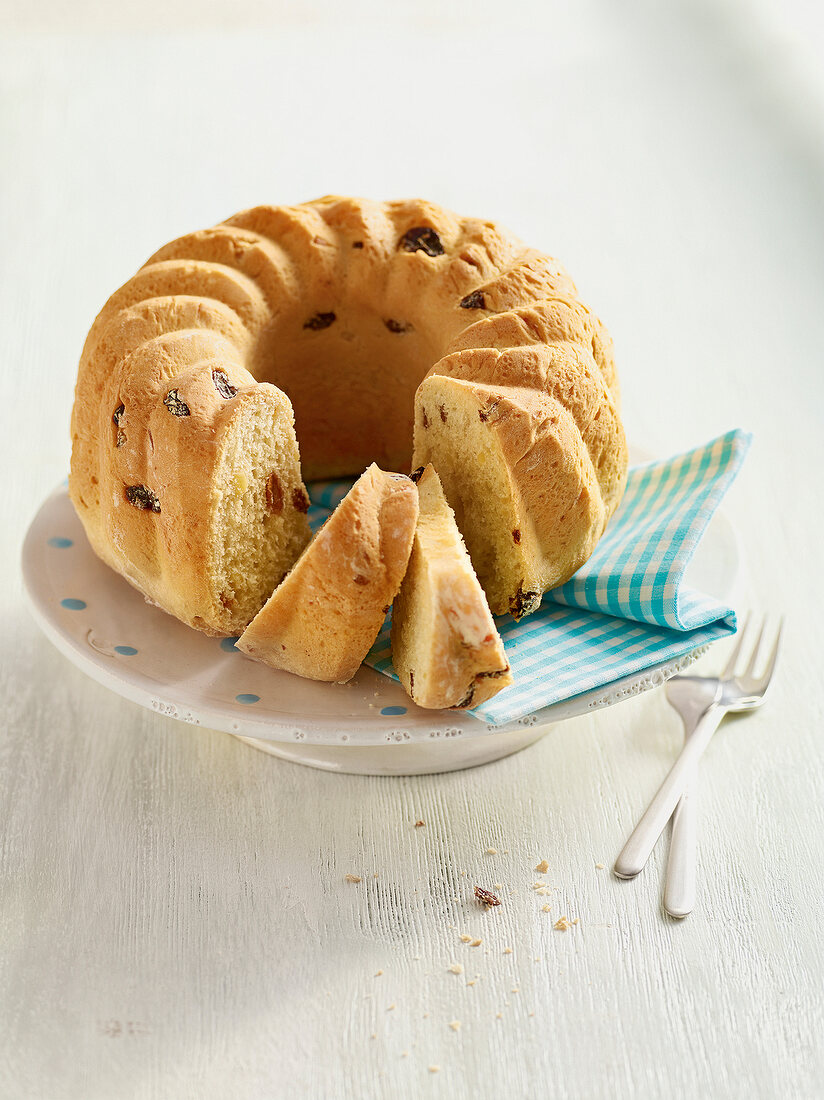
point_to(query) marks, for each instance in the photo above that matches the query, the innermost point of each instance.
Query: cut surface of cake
(517, 474)
(205, 508)
(446, 649)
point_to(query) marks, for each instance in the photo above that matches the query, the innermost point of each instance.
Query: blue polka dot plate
(368, 726)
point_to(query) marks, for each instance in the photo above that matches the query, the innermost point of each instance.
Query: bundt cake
(445, 648)
(184, 460)
(321, 621)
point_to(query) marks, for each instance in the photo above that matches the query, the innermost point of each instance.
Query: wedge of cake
(322, 620)
(445, 647)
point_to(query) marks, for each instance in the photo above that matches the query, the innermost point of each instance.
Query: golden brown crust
(345, 305)
(322, 620)
(568, 373)
(555, 318)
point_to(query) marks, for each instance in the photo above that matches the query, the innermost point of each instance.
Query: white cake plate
(368, 726)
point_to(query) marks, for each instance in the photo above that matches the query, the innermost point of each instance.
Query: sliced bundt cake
(345, 305)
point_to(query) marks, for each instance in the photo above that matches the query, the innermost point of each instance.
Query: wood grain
(175, 919)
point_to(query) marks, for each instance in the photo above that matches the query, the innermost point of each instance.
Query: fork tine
(729, 668)
(750, 669)
(773, 657)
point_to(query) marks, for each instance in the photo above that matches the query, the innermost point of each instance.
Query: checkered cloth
(624, 611)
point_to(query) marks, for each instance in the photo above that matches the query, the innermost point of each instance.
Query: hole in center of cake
(351, 374)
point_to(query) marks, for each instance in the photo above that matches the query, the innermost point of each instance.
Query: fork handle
(680, 878)
(679, 885)
(644, 836)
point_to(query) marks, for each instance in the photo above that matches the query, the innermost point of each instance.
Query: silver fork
(691, 696)
(714, 698)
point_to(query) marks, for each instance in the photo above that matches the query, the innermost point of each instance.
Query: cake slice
(322, 620)
(445, 647)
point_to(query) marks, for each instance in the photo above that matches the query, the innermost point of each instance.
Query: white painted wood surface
(174, 916)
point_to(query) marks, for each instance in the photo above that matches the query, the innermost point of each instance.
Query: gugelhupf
(380, 321)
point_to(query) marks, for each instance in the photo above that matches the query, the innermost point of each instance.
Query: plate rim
(368, 730)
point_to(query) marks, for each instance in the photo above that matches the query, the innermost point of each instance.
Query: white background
(174, 920)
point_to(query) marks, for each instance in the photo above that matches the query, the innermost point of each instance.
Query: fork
(691, 696)
(730, 692)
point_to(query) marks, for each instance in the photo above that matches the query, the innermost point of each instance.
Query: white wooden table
(174, 916)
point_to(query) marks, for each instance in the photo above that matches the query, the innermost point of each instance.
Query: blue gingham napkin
(627, 608)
